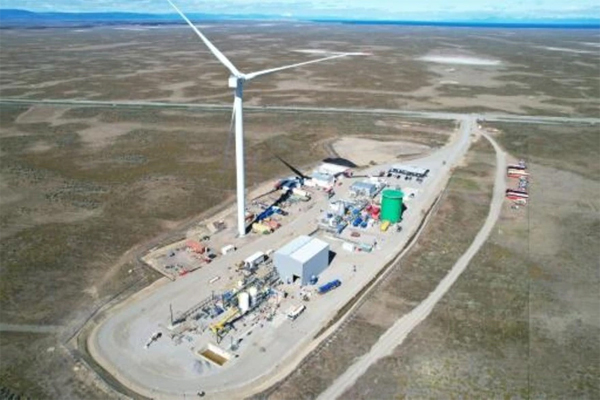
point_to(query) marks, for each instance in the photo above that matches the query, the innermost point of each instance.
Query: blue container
(329, 286)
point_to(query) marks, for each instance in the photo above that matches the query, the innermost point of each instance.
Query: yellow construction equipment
(257, 227)
(384, 226)
(229, 316)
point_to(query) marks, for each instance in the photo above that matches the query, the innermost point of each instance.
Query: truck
(228, 249)
(295, 311)
(329, 286)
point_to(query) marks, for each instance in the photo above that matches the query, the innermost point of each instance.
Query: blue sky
(364, 9)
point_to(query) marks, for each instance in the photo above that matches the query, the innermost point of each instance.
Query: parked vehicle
(329, 286)
(295, 311)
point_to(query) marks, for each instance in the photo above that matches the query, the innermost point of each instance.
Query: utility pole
(171, 308)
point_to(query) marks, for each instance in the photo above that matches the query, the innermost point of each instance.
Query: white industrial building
(301, 258)
(409, 170)
(363, 189)
(318, 179)
(333, 169)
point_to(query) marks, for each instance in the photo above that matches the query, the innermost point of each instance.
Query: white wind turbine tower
(236, 81)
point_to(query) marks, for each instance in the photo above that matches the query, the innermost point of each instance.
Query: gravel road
(394, 336)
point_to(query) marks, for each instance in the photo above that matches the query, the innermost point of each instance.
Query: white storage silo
(253, 292)
(244, 302)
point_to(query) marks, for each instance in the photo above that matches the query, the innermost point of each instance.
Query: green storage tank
(391, 205)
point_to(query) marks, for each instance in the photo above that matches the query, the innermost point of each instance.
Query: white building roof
(363, 186)
(303, 248)
(318, 176)
(294, 245)
(409, 168)
(308, 251)
(332, 169)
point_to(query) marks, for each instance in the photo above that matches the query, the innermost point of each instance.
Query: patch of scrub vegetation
(522, 320)
(8, 115)
(572, 148)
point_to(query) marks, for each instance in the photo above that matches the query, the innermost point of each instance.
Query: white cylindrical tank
(253, 291)
(244, 302)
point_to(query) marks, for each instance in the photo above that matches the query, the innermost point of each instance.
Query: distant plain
(84, 190)
(527, 71)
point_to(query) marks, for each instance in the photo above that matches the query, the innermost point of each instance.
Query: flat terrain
(84, 191)
(170, 370)
(522, 321)
(523, 71)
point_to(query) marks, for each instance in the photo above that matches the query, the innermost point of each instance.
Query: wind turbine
(236, 82)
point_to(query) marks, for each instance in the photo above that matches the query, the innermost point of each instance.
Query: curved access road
(394, 336)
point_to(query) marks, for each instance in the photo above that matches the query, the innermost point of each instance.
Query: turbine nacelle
(235, 81)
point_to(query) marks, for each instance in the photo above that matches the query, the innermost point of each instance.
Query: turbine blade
(220, 56)
(253, 75)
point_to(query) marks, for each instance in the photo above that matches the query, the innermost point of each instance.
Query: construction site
(240, 306)
(395, 211)
(253, 288)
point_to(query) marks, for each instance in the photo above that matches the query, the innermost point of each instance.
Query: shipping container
(329, 286)
(255, 260)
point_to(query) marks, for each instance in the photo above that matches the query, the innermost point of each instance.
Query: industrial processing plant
(274, 288)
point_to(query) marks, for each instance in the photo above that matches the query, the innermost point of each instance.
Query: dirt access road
(394, 336)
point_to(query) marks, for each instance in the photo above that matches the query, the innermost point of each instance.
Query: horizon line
(333, 19)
